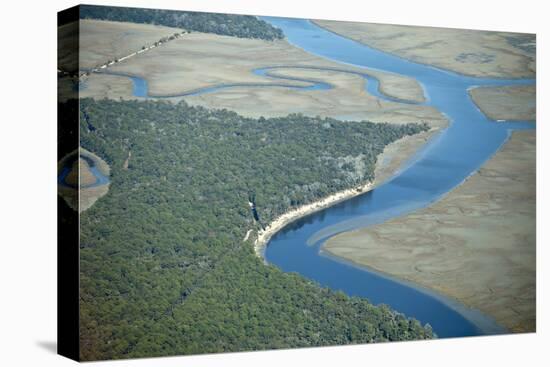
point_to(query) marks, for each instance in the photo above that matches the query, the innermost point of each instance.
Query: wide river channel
(445, 162)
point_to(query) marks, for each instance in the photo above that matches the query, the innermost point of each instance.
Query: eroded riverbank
(394, 156)
(469, 52)
(280, 222)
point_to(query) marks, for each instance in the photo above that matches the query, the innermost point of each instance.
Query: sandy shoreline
(388, 162)
(265, 235)
(394, 156)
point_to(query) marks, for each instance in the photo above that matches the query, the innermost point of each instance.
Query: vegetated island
(476, 245)
(164, 269)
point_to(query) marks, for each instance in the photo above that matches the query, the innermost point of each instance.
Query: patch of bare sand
(476, 245)
(280, 222)
(470, 52)
(517, 102)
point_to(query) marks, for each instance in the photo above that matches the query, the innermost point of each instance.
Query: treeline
(164, 269)
(243, 26)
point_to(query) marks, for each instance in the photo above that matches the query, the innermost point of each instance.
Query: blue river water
(140, 87)
(449, 158)
(440, 166)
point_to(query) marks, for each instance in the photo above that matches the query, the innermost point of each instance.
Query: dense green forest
(164, 269)
(243, 26)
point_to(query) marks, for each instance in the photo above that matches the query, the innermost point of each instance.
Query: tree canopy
(242, 26)
(164, 269)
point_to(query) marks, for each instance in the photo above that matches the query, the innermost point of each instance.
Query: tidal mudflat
(101, 41)
(199, 60)
(476, 245)
(470, 52)
(517, 102)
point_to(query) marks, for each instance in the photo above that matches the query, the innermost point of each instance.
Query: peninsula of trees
(164, 268)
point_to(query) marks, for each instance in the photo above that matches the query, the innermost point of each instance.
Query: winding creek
(445, 162)
(140, 87)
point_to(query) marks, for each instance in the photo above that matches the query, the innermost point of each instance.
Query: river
(441, 165)
(445, 162)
